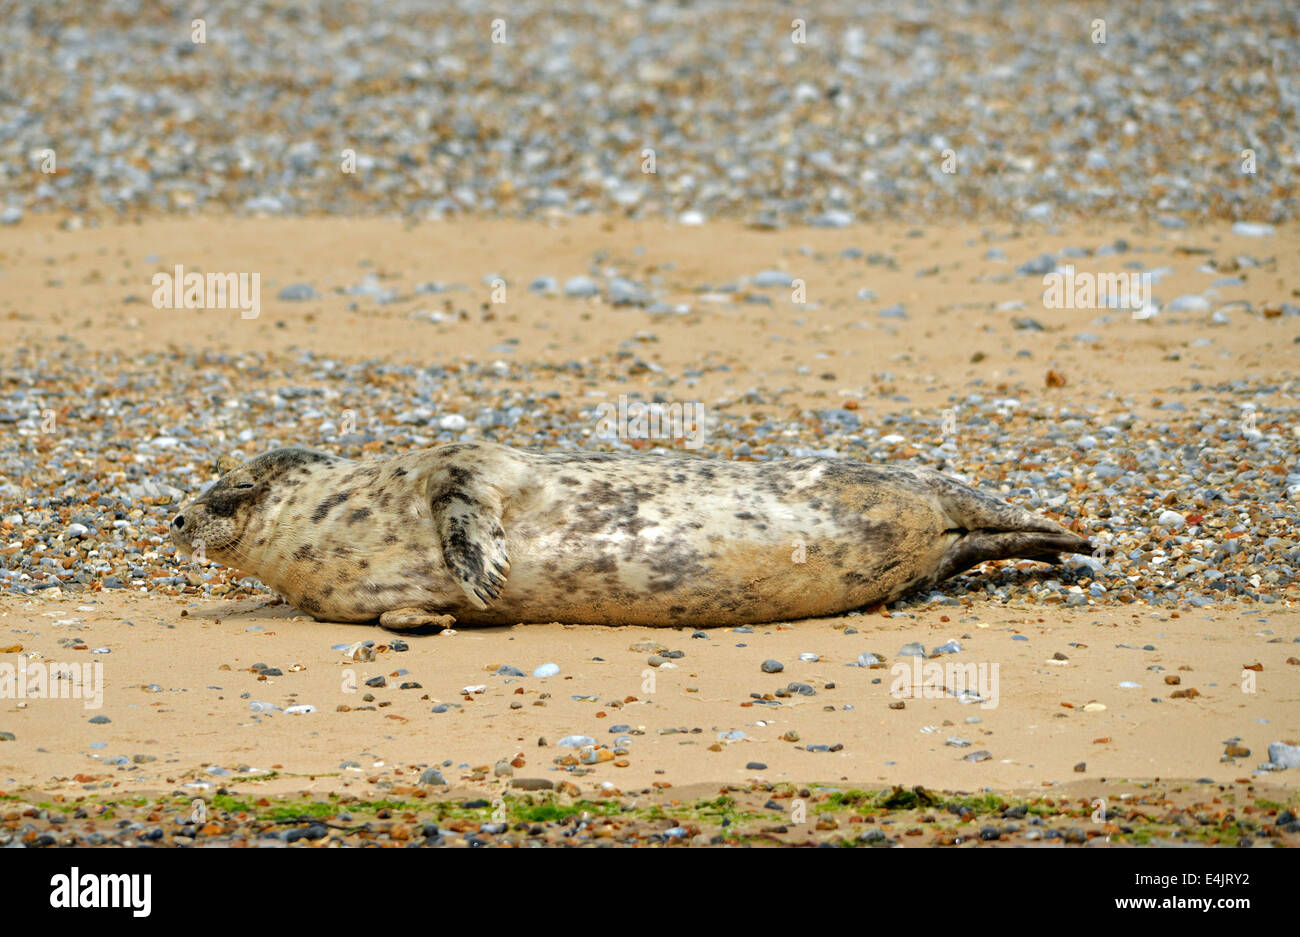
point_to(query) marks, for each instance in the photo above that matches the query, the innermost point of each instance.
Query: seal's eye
(244, 486)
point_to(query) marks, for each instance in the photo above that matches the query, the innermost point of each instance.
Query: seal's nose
(178, 521)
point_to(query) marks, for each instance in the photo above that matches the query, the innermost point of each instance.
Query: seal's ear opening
(227, 462)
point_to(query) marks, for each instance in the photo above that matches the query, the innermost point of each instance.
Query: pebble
(297, 292)
(547, 670)
(432, 777)
(1189, 304)
(770, 278)
(1283, 755)
(581, 286)
(1252, 229)
(772, 666)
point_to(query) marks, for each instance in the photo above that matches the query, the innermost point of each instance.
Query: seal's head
(218, 523)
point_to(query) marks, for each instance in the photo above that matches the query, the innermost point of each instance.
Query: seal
(485, 534)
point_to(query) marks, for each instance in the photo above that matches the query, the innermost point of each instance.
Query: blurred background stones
(1042, 122)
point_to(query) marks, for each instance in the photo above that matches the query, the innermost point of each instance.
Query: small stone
(1281, 754)
(532, 784)
(1189, 303)
(297, 292)
(1171, 519)
(1252, 229)
(767, 278)
(772, 666)
(581, 286)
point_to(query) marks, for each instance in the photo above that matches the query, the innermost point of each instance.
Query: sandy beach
(1083, 692)
(1058, 260)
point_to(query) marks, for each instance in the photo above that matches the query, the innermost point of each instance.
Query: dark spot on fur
(328, 505)
(360, 514)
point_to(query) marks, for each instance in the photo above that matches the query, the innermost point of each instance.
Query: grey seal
(481, 533)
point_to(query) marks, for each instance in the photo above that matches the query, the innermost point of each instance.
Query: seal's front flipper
(467, 516)
(403, 619)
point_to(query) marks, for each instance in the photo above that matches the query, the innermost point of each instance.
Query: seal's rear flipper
(988, 528)
(978, 546)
